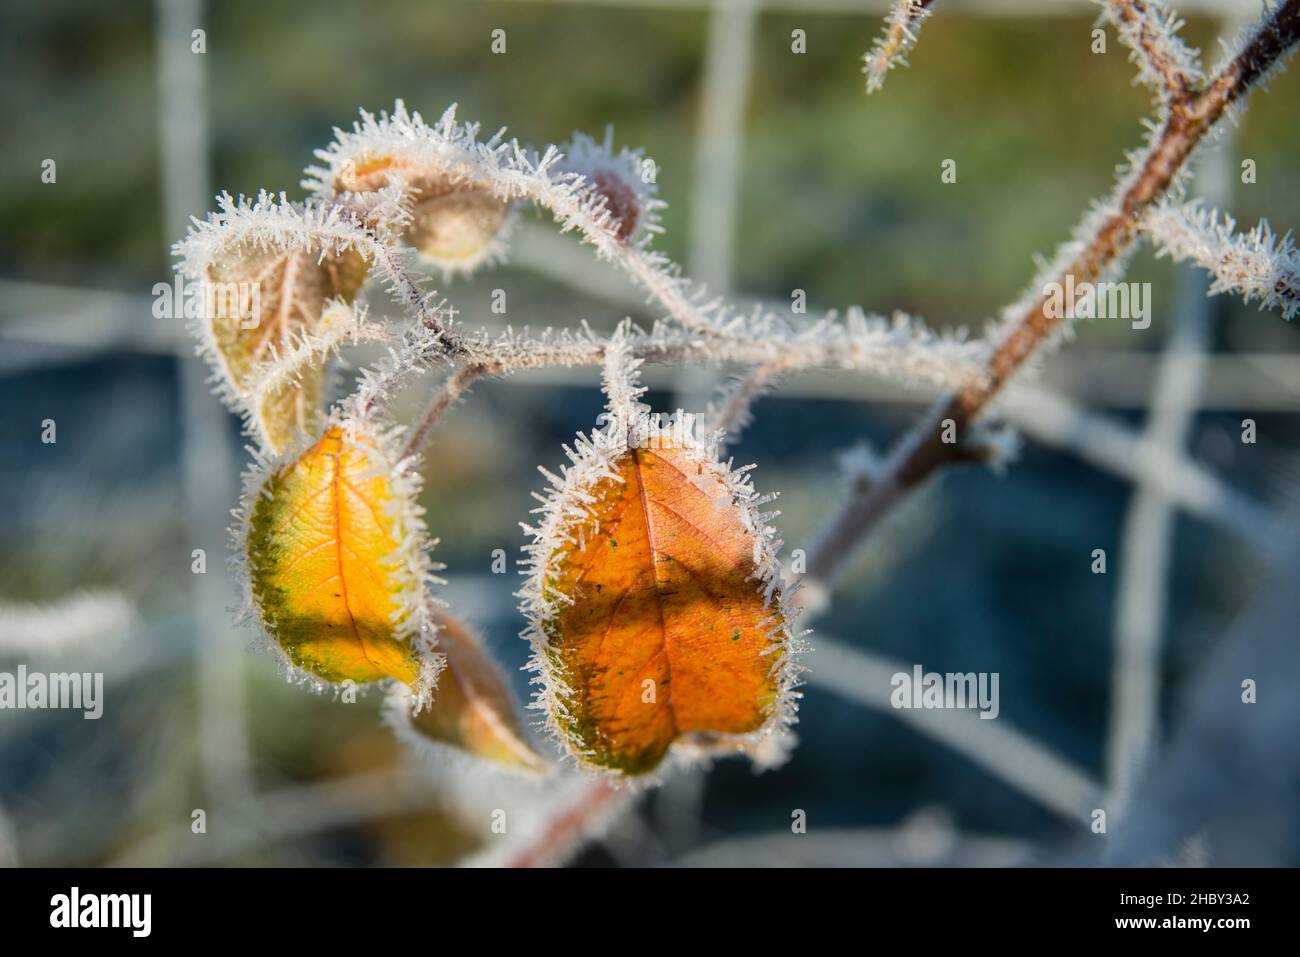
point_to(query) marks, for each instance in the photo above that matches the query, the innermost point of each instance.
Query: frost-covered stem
(902, 24)
(433, 316)
(1257, 265)
(925, 451)
(569, 827)
(913, 356)
(734, 414)
(452, 390)
(916, 361)
(669, 291)
(431, 336)
(1150, 32)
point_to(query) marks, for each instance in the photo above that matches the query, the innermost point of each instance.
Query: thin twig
(1151, 31)
(925, 452)
(1257, 264)
(916, 361)
(890, 50)
(734, 415)
(453, 389)
(568, 828)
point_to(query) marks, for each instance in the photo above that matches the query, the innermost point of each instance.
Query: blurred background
(1119, 691)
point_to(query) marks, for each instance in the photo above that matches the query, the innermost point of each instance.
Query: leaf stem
(453, 389)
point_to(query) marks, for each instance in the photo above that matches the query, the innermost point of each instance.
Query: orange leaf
(332, 575)
(658, 620)
(472, 709)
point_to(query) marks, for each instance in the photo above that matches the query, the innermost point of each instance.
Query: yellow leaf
(657, 628)
(472, 709)
(328, 562)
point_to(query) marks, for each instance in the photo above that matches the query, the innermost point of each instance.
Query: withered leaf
(472, 709)
(455, 222)
(261, 303)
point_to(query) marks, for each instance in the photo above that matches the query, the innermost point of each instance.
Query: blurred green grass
(840, 193)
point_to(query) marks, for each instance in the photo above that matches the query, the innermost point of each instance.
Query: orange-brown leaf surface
(325, 562)
(473, 709)
(665, 633)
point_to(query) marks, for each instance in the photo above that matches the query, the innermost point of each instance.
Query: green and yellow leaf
(329, 562)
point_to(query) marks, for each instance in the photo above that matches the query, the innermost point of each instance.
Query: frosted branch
(734, 412)
(607, 196)
(901, 349)
(1257, 265)
(453, 390)
(902, 24)
(1150, 30)
(1099, 246)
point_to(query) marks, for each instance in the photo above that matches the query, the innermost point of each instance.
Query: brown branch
(453, 389)
(567, 829)
(1164, 60)
(925, 452)
(891, 47)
